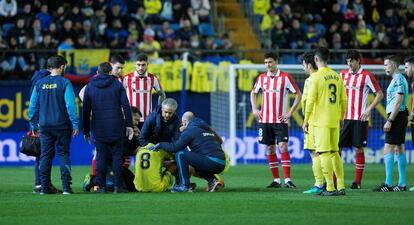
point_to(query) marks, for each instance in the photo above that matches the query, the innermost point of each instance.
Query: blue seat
(206, 29)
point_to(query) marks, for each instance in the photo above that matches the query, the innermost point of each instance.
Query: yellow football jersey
(149, 176)
(326, 98)
(306, 88)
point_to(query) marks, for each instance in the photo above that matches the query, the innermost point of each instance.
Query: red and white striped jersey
(275, 89)
(357, 86)
(139, 89)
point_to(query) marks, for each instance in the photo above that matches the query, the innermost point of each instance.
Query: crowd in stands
(140, 25)
(342, 24)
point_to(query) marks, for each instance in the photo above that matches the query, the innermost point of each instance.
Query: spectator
(347, 36)
(140, 16)
(134, 31)
(179, 9)
(363, 34)
(81, 42)
(165, 28)
(227, 43)
(77, 18)
(209, 43)
(14, 57)
(380, 32)
(406, 43)
(60, 15)
(116, 14)
(150, 46)
(92, 40)
(20, 32)
(37, 31)
(390, 20)
(334, 15)
(131, 43)
(185, 31)
(334, 28)
(193, 17)
(8, 9)
(66, 44)
(195, 41)
(45, 18)
(286, 14)
(99, 21)
(116, 35)
(46, 44)
(167, 11)
(269, 20)
(279, 36)
(133, 5)
(152, 9)
(27, 15)
(121, 3)
(358, 8)
(67, 31)
(53, 32)
(86, 8)
(312, 36)
(260, 8)
(296, 35)
(202, 9)
(30, 57)
(409, 30)
(168, 41)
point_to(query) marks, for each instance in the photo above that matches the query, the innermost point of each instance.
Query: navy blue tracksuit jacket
(156, 130)
(106, 97)
(200, 138)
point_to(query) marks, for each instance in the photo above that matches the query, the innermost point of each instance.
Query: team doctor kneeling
(206, 155)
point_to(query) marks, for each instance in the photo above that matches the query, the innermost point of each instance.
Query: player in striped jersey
(358, 82)
(273, 117)
(409, 70)
(139, 85)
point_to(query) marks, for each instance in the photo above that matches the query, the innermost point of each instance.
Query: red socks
(286, 164)
(359, 166)
(93, 167)
(273, 165)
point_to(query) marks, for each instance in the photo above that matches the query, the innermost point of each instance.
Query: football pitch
(245, 200)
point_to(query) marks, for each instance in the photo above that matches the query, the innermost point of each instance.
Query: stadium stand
(30, 31)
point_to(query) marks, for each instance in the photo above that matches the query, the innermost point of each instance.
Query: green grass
(244, 201)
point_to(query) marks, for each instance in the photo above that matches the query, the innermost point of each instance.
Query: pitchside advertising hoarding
(14, 101)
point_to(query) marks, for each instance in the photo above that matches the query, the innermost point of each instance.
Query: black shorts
(396, 136)
(271, 133)
(354, 133)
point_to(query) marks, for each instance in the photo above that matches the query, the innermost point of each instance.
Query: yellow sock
(338, 168)
(326, 163)
(317, 170)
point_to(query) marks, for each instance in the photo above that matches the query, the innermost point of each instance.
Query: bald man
(206, 156)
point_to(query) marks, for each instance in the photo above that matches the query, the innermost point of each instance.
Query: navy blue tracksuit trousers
(205, 166)
(105, 151)
(48, 139)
